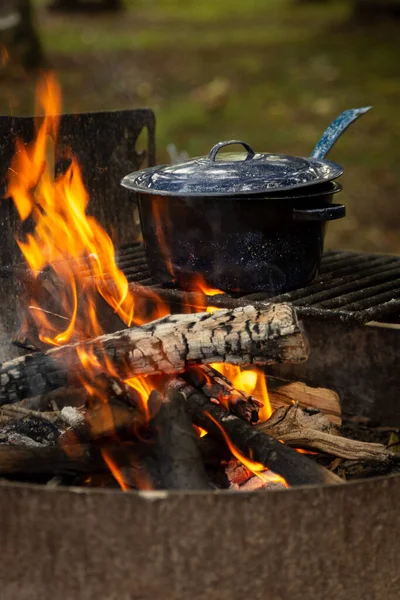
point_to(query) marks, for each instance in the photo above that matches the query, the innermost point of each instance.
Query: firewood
(241, 336)
(362, 469)
(214, 385)
(64, 396)
(312, 430)
(280, 393)
(295, 468)
(180, 463)
(50, 459)
(283, 393)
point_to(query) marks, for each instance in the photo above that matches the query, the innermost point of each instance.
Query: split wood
(295, 468)
(283, 393)
(242, 336)
(310, 429)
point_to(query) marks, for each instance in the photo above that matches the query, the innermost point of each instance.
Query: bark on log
(212, 384)
(283, 393)
(179, 458)
(306, 429)
(295, 468)
(50, 459)
(241, 336)
(280, 393)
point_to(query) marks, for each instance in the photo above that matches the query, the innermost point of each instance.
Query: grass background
(271, 72)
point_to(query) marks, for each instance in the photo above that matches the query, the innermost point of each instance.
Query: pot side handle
(215, 149)
(326, 213)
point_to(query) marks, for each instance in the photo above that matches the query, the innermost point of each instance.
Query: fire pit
(84, 542)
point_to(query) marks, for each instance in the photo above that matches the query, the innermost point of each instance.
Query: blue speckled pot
(237, 244)
(248, 222)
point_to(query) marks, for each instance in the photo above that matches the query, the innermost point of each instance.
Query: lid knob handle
(214, 151)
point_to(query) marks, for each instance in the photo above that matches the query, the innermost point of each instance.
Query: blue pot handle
(214, 151)
(326, 213)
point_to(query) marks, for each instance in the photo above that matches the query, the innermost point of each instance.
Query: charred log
(215, 386)
(280, 393)
(295, 468)
(179, 458)
(241, 336)
(50, 459)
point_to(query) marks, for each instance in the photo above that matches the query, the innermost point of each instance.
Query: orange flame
(200, 431)
(143, 387)
(256, 468)
(196, 300)
(200, 283)
(207, 291)
(251, 381)
(72, 246)
(77, 248)
(116, 473)
(5, 57)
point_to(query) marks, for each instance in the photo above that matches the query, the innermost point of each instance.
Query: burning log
(179, 458)
(213, 384)
(241, 336)
(295, 468)
(310, 429)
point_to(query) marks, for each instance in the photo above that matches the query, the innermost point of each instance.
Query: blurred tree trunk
(18, 34)
(85, 5)
(369, 8)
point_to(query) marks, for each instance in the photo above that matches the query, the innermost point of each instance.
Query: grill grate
(351, 286)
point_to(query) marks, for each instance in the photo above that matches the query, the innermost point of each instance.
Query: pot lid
(232, 174)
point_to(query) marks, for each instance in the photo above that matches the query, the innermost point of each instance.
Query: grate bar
(327, 298)
(332, 283)
(351, 286)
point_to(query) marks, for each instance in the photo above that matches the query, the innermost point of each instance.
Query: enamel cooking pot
(245, 221)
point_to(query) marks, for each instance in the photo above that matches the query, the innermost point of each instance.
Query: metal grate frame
(351, 286)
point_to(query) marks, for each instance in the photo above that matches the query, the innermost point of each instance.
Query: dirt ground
(271, 72)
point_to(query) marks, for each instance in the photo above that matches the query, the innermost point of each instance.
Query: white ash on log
(179, 459)
(241, 336)
(295, 468)
(255, 484)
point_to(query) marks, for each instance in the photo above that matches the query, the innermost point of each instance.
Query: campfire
(116, 388)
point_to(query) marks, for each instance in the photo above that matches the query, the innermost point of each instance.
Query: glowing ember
(256, 468)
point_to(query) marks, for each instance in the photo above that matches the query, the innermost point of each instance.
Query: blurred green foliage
(271, 72)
